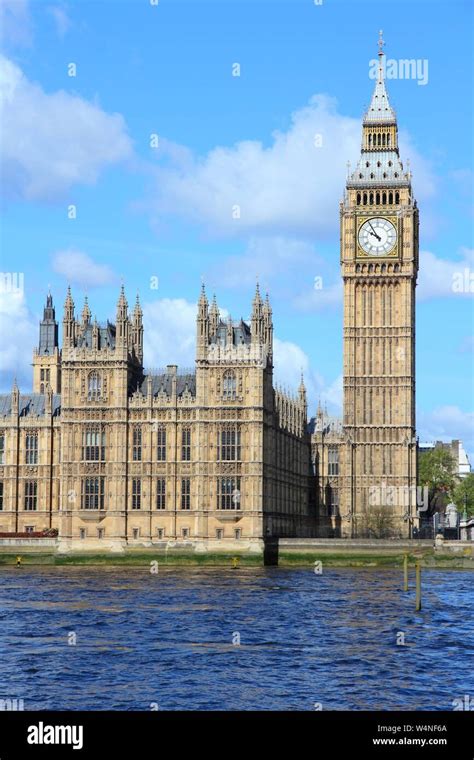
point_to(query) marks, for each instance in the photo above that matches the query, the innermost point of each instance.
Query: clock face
(377, 236)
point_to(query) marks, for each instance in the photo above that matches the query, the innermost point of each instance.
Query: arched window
(370, 140)
(365, 199)
(377, 196)
(390, 199)
(94, 386)
(42, 388)
(397, 198)
(371, 199)
(229, 385)
(388, 139)
(384, 198)
(383, 139)
(358, 199)
(379, 139)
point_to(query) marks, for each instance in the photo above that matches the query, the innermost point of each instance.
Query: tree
(377, 521)
(436, 470)
(463, 495)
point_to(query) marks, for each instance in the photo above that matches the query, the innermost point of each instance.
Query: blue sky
(166, 212)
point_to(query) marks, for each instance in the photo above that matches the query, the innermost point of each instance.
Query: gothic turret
(202, 325)
(86, 313)
(68, 321)
(137, 330)
(257, 317)
(122, 321)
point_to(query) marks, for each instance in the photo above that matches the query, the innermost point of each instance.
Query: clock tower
(379, 263)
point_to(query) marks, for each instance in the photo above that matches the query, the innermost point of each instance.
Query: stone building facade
(126, 457)
(109, 454)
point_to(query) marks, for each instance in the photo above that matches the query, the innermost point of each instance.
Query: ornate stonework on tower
(379, 261)
(47, 357)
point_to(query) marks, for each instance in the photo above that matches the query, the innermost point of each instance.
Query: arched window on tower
(383, 139)
(94, 386)
(388, 140)
(397, 198)
(358, 199)
(365, 199)
(377, 199)
(390, 199)
(379, 139)
(229, 385)
(370, 140)
(384, 198)
(371, 199)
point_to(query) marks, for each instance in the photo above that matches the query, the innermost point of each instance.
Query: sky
(132, 131)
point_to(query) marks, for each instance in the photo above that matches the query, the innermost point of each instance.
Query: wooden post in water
(418, 587)
(405, 572)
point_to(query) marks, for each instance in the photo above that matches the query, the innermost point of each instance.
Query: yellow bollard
(405, 572)
(18, 561)
(235, 562)
(418, 587)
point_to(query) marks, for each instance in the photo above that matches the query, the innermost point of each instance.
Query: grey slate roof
(390, 172)
(32, 404)
(106, 336)
(164, 380)
(240, 332)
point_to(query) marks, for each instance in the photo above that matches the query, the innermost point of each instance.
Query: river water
(169, 640)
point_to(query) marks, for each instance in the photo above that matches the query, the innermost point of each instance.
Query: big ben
(379, 263)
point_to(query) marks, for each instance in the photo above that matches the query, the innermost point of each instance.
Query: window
(2, 448)
(82, 533)
(31, 448)
(238, 533)
(1, 495)
(136, 533)
(228, 493)
(186, 493)
(42, 374)
(334, 505)
(136, 493)
(92, 493)
(160, 493)
(31, 495)
(93, 445)
(228, 445)
(161, 444)
(219, 533)
(333, 462)
(137, 444)
(229, 386)
(185, 532)
(160, 533)
(94, 386)
(186, 444)
(29, 528)
(100, 533)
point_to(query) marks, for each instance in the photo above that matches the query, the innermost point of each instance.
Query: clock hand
(374, 233)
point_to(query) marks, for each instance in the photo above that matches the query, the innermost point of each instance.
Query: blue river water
(170, 640)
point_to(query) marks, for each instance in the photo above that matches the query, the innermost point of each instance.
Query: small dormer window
(371, 175)
(367, 163)
(379, 164)
(361, 175)
(385, 175)
(396, 174)
(390, 163)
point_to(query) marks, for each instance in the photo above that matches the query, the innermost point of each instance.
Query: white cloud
(15, 23)
(170, 332)
(292, 186)
(265, 258)
(51, 142)
(445, 423)
(445, 277)
(18, 333)
(61, 19)
(320, 298)
(79, 269)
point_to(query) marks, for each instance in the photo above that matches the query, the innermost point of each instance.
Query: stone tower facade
(47, 356)
(379, 261)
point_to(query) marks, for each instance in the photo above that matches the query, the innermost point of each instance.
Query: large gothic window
(229, 385)
(94, 386)
(31, 448)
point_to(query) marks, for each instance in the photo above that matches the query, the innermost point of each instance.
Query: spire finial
(381, 43)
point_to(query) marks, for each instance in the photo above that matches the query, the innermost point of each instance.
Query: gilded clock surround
(393, 252)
